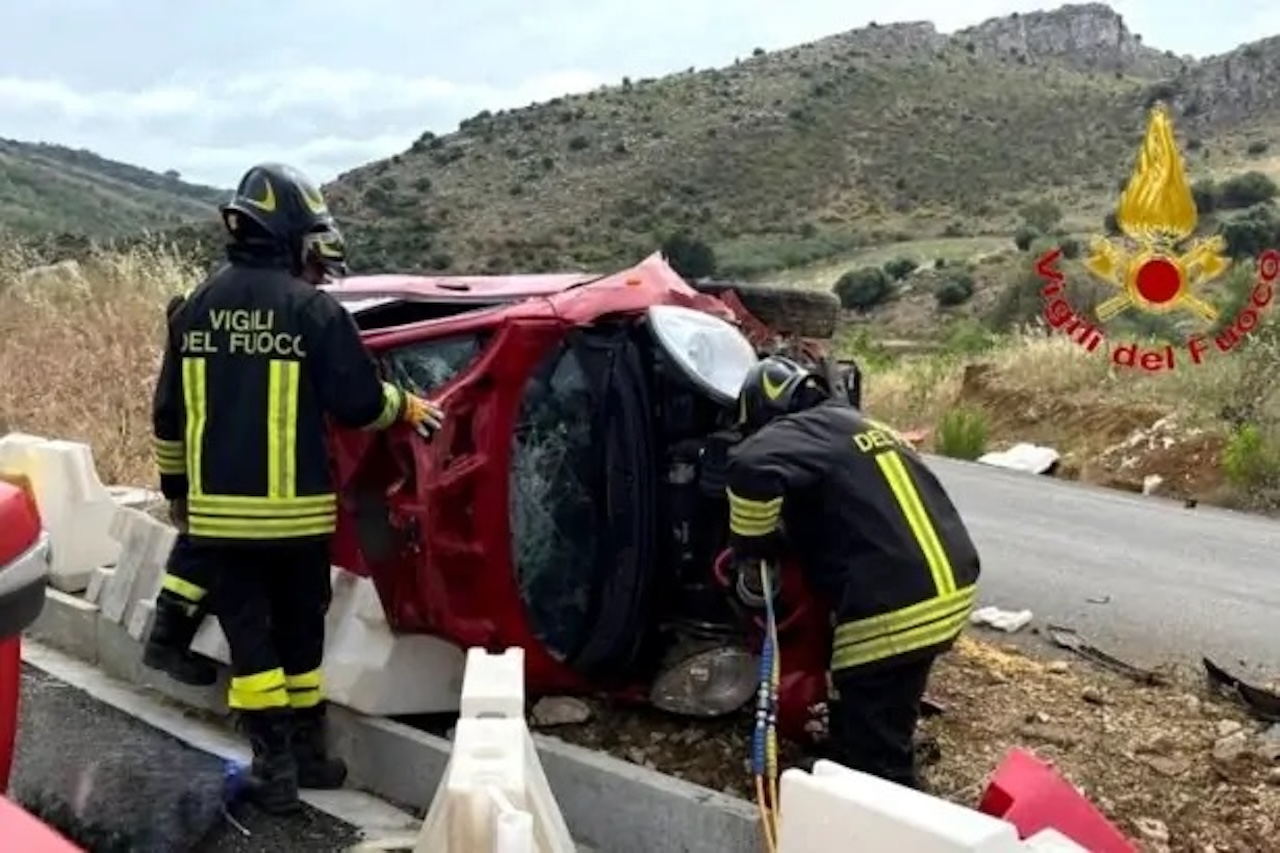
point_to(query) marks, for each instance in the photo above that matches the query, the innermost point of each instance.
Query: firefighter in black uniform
(878, 540)
(257, 355)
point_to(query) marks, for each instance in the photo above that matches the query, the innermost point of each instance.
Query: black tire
(789, 310)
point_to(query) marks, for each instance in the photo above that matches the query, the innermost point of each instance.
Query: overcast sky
(208, 88)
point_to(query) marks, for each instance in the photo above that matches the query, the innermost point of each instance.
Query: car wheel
(789, 310)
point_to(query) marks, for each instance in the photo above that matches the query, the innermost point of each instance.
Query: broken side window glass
(552, 507)
(424, 366)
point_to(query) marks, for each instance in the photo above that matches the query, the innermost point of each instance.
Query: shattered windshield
(553, 516)
(424, 366)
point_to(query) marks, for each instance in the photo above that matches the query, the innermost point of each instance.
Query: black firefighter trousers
(270, 599)
(873, 718)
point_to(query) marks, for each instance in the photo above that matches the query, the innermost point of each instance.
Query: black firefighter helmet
(775, 386)
(276, 208)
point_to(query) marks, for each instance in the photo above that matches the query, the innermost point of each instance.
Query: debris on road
(1009, 621)
(1069, 639)
(552, 711)
(1029, 458)
(1262, 703)
(1143, 753)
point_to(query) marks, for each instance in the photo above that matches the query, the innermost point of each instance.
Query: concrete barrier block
(613, 805)
(76, 509)
(68, 623)
(145, 544)
(607, 803)
(97, 582)
(120, 656)
(835, 809)
(372, 670)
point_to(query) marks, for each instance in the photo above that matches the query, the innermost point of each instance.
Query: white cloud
(212, 128)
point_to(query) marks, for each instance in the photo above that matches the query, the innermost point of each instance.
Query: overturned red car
(573, 504)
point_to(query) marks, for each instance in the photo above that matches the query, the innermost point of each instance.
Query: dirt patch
(1165, 458)
(1176, 768)
(1090, 425)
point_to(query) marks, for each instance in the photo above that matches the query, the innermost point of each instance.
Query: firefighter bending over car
(878, 539)
(256, 357)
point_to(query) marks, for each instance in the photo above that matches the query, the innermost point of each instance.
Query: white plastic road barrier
(77, 509)
(367, 667)
(494, 771)
(835, 809)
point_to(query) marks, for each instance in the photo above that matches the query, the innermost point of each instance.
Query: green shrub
(1070, 247)
(864, 288)
(1041, 215)
(1250, 459)
(1246, 190)
(962, 433)
(956, 290)
(1250, 233)
(900, 268)
(690, 257)
(1024, 237)
(1205, 195)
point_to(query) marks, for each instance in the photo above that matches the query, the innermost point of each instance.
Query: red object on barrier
(1027, 793)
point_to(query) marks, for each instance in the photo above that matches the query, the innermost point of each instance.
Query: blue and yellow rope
(764, 741)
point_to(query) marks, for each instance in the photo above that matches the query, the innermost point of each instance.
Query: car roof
(498, 288)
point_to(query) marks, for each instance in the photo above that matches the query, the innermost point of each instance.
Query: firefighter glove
(750, 587)
(422, 414)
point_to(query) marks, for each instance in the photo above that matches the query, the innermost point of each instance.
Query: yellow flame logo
(1157, 213)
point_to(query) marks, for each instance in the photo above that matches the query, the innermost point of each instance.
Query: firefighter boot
(316, 768)
(168, 646)
(272, 784)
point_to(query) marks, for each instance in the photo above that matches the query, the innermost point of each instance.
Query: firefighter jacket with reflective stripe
(878, 537)
(254, 360)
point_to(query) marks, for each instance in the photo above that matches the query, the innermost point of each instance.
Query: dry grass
(78, 353)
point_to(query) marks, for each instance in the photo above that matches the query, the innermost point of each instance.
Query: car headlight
(711, 353)
(709, 683)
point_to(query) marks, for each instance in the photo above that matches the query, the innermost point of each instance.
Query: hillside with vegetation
(883, 134)
(52, 190)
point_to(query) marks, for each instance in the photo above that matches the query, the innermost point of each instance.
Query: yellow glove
(423, 415)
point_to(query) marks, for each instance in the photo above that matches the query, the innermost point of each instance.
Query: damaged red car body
(573, 503)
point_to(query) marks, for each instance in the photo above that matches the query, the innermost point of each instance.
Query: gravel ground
(113, 784)
(1177, 768)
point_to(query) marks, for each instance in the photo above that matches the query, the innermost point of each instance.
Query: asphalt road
(1145, 579)
(116, 785)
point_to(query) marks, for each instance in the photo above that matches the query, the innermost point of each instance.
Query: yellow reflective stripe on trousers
(892, 645)
(282, 428)
(906, 618)
(259, 691)
(193, 397)
(753, 518)
(305, 689)
(183, 588)
(170, 455)
(904, 491)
